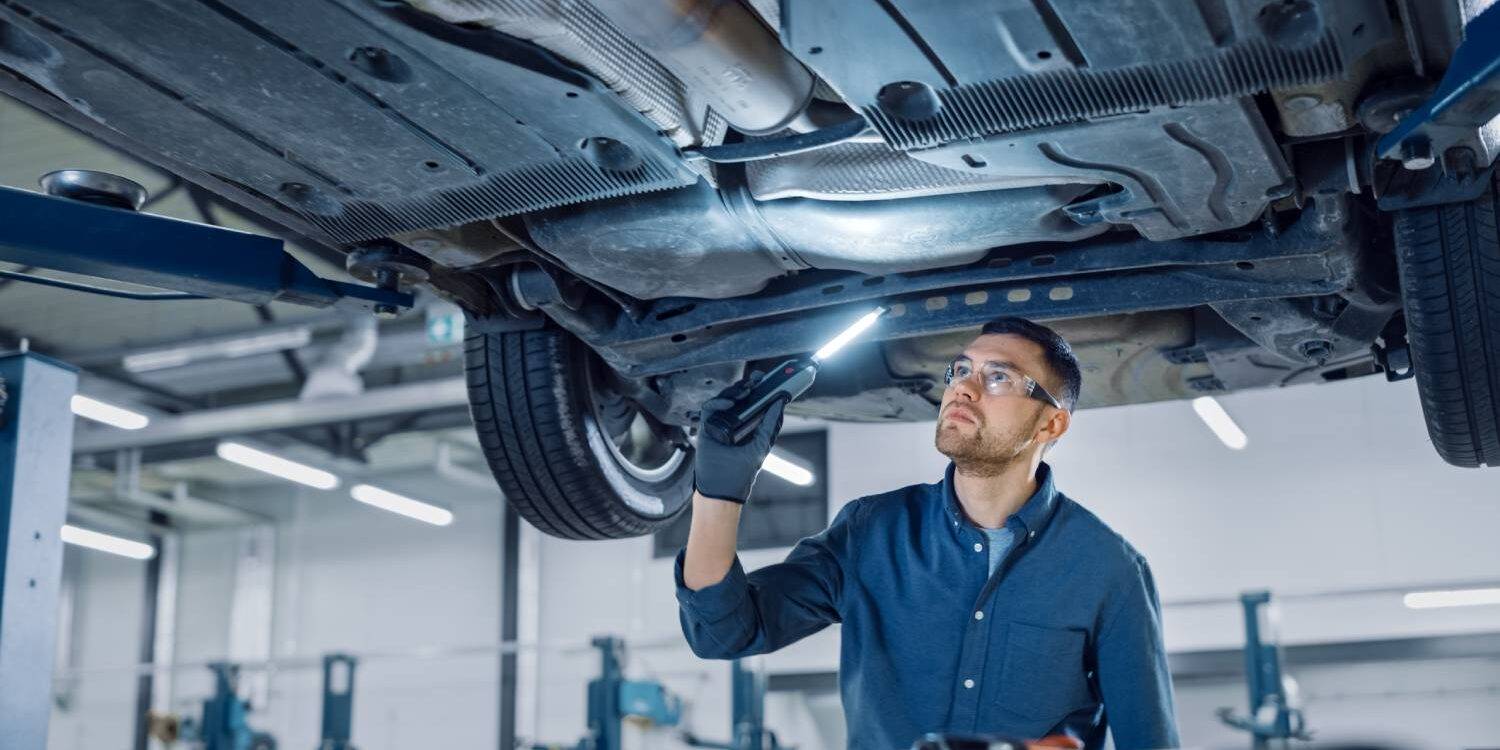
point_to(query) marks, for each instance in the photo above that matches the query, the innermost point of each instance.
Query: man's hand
(723, 471)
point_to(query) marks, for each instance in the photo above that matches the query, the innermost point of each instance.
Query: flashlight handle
(789, 380)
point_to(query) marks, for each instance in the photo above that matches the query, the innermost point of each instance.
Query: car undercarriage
(637, 202)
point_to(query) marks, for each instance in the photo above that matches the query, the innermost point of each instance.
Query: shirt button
(979, 615)
(1032, 535)
(968, 683)
(978, 547)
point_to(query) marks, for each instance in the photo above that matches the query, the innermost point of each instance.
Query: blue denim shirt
(1065, 637)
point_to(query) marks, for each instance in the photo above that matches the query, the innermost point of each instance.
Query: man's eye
(997, 376)
(960, 371)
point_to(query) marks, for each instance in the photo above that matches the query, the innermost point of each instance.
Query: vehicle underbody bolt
(1317, 350)
(1416, 153)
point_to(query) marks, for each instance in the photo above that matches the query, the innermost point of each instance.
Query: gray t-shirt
(1000, 541)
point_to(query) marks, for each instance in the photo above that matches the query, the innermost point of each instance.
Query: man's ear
(1055, 426)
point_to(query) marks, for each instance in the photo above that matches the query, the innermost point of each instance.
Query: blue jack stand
(748, 713)
(338, 702)
(36, 447)
(224, 725)
(612, 699)
(1271, 719)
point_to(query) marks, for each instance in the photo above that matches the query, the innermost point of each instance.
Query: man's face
(977, 429)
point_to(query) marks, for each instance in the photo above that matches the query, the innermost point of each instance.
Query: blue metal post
(749, 707)
(338, 701)
(224, 726)
(36, 447)
(1271, 717)
(604, 695)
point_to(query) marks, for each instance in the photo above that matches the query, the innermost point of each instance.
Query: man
(985, 603)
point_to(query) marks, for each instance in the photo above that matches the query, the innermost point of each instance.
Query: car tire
(1449, 258)
(570, 453)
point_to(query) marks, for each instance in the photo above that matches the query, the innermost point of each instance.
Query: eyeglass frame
(1033, 388)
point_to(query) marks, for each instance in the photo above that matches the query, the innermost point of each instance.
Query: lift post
(224, 725)
(338, 702)
(1272, 721)
(36, 447)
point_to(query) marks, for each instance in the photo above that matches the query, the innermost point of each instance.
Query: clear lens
(998, 381)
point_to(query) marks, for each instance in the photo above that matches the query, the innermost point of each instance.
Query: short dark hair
(1055, 351)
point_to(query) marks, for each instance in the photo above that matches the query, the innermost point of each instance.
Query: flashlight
(787, 380)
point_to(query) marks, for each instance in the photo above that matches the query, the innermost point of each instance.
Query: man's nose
(966, 389)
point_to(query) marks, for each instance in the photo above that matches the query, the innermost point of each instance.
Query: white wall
(348, 578)
(106, 642)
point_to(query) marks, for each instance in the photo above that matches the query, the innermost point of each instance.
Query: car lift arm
(62, 234)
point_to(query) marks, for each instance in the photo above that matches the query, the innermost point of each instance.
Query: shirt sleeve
(774, 606)
(1132, 664)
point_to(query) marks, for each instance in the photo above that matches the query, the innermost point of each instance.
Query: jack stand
(36, 455)
(338, 701)
(749, 714)
(224, 726)
(612, 699)
(1272, 718)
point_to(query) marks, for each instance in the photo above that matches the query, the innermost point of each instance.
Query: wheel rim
(641, 446)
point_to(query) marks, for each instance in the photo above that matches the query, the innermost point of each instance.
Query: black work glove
(727, 472)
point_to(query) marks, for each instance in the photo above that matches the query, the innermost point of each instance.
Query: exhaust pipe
(723, 52)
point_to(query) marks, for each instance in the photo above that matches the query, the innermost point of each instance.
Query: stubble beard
(981, 453)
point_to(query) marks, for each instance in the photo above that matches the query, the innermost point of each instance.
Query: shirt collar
(1034, 513)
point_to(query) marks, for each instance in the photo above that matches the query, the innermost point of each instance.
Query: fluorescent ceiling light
(114, 416)
(1453, 598)
(401, 504)
(787, 470)
(1220, 422)
(107, 543)
(276, 466)
(831, 348)
(224, 348)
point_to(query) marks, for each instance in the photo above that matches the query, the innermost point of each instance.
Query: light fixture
(107, 543)
(114, 416)
(838, 342)
(276, 466)
(781, 467)
(222, 348)
(401, 504)
(1218, 420)
(1451, 598)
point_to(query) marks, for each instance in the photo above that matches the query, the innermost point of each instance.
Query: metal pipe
(425, 396)
(737, 153)
(721, 51)
(337, 373)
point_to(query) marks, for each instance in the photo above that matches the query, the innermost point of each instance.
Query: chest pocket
(1043, 674)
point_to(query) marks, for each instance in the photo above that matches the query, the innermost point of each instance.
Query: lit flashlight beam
(832, 347)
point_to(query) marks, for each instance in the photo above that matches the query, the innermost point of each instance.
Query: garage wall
(1338, 490)
(99, 704)
(348, 577)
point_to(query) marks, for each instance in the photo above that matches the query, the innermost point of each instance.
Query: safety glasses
(999, 380)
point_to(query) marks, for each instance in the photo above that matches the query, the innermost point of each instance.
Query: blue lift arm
(1467, 98)
(73, 236)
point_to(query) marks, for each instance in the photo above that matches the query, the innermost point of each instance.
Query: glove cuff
(715, 495)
